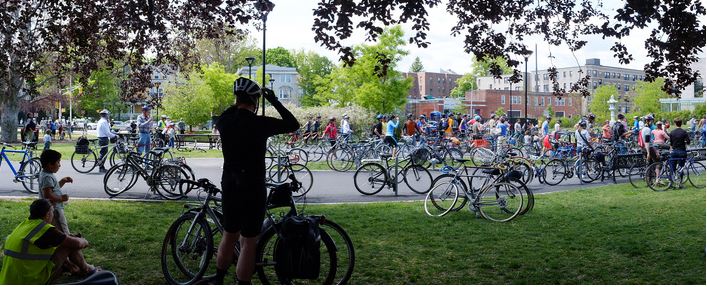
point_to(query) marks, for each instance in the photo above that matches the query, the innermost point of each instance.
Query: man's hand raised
(269, 95)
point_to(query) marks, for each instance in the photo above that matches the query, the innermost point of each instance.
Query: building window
(633, 78)
(564, 86)
(626, 88)
(490, 86)
(285, 92)
(626, 76)
(559, 114)
(157, 77)
(594, 85)
(606, 75)
(535, 100)
(640, 78)
(601, 81)
(544, 76)
(570, 102)
(545, 88)
(594, 73)
(542, 101)
(503, 99)
(564, 74)
(559, 102)
(515, 100)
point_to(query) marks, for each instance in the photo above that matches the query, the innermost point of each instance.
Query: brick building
(432, 85)
(486, 102)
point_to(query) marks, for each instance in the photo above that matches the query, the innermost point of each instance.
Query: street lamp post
(525, 78)
(271, 81)
(510, 101)
(264, 6)
(250, 61)
(157, 92)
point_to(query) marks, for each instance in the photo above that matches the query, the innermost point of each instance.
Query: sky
(289, 25)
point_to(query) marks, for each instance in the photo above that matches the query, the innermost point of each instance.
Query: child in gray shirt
(50, 187)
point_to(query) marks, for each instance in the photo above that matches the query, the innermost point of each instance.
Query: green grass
(608, 235)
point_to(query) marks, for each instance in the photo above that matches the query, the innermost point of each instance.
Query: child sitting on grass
(50, 187)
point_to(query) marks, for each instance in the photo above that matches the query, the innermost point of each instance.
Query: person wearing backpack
(618, 130)
(645, 140)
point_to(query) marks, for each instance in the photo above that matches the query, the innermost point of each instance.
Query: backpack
(444, 124)
(297, 251)
(82, 146)
(617, 130)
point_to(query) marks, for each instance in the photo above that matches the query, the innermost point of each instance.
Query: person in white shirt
(345, 128)
(582, 135)
(104, 135)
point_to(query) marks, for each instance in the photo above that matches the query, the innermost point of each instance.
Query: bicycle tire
(589, 170)
(450, 155)
(124, 174)
(340, 159)
(444, 195)
(417, 178)
(305, 177)
(696, 174)
(345, 257)
(500, 202)
(636, 175)
(370, 173)
(482, 156)
(117, 157)
(301, 156)
(203, 245)
(657, 177)
(555, 171)
(84, 163)
(265, 261)
(166, 180)
(28, 174)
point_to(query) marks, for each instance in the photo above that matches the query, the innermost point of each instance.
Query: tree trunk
(8, 118)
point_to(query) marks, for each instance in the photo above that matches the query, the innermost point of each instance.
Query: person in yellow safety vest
(35, 251)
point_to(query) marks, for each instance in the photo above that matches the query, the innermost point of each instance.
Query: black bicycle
(190, 244)
(161, 177)
(371, 177)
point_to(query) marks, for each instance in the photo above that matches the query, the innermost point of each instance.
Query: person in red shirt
(330, 131)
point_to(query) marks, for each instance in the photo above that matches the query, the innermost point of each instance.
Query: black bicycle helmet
(246, 89)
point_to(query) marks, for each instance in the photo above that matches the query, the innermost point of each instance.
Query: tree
(500, 111)
(417, 66)
(479, 68)
(221, 85)
(598, 105)
(101, 91)
(279, 57)
(230, 51)
(311, 67)
(372, 82)
(676, 39)
(190, 101)
(82, 36)
(648, 96)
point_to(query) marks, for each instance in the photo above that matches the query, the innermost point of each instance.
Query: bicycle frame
(26, 155)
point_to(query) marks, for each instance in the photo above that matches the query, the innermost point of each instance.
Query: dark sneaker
(211, 280)
(102, 170)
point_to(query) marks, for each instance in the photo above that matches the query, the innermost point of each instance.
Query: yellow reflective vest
(25, 263)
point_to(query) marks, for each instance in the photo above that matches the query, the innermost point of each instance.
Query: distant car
(121, 126)
(92, 126)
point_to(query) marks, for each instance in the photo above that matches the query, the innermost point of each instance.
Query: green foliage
(311, 68)
(549, 111)
(648, 95)
(190, 100)
(700, 111)
(228, 50)
(479, 68)
(259, 78)
(417, 66)
(102, 90)
(360, 84)
(221, 84)
(598, 105)
(500, 111)
(280, 57)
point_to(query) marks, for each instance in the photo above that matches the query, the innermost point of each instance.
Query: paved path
(329, 186)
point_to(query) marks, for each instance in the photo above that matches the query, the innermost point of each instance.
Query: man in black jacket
(244, 135)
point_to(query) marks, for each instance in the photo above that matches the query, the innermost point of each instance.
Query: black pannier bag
(81, 146)
(297, 252)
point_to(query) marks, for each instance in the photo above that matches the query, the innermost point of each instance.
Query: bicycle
(661, 176)
(190, 243)
(28, 171)
(161, 178)
(371, 177)
(85, 160)
(282, 168)
(497, 198)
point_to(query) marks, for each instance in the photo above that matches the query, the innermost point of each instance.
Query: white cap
(104, 111)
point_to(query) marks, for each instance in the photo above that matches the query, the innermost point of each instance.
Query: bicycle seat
(29, 143)
(386, 155)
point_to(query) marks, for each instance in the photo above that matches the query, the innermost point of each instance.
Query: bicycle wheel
(443, 195)
(117, 157)
(186, 250)
(266, 260)
(317, 153)
(658, 177)
(417, 178)
(636, 176)
(119, 179)
(298, 155)
(340, 159)
(370, 178)
(500, 202)
(84, 163)
(304, 176)
(555, 171)
(696, 174)
(29, 175)
(523, 168)
(167, 179)
(589, 170)
(345, 254)
(278, 173)
(450, 155)
(482, 156)
(528, 196)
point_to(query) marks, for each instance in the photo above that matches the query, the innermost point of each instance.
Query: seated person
(41, 260)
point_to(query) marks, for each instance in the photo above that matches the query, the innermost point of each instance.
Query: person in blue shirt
(390, 132)
(546, 126)
(503, 126)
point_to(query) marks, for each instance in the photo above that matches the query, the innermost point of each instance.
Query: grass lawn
(608, 235)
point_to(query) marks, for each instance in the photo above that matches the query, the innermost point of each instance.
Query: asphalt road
(328, 187)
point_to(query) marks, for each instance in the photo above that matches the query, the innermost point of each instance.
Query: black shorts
(243, 200)
(390, 141)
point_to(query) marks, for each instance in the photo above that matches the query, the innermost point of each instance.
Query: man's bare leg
(246, 260)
